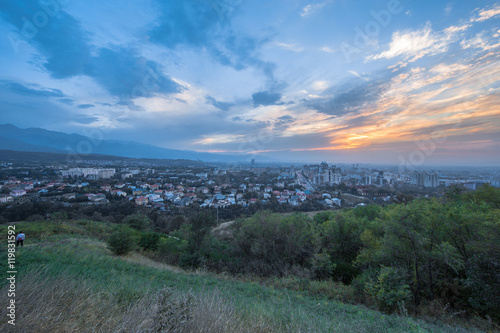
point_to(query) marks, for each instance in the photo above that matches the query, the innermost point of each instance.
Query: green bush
(483, 281)
(361, 281)
(149, 241)
(121, 242)
(138, 222)
(322, 266)
(170, 249)
(390, 291)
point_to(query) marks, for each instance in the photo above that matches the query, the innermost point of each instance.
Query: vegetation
(428, 258)
(121, 242)
(68, 281)
(404, 257)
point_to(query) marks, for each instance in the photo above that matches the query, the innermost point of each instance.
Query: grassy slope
(71, 256)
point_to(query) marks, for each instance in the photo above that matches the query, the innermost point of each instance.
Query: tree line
(402, 257)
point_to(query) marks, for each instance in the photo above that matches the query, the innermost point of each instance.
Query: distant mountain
(42, 140)
(17, 145)
(30, 157)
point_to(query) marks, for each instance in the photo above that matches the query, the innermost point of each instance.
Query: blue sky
(334, 80)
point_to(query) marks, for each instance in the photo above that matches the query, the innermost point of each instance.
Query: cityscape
(218, 186)
(235, 166)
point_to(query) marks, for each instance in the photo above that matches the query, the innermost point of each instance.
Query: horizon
(382, 83)
(269, 162)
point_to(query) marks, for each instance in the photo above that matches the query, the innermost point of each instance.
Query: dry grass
(136, 258)
(71, 305)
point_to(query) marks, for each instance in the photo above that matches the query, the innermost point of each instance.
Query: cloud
(327, 49)
(448, 9)
(206, 25)
(85, 106)
(65, 46)
(486, 14)
(319, 85)
(67, 101)
(190, 22)
(290, 47)
(413, 45)
(85, 119)
(126, 74)
(351, 96)
(32, 90)
(480, 41)
(454, 29)
(266, 98)
(61, 40)
(312, 8)
(223, 106)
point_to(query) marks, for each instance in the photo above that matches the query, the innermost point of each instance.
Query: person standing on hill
(20, 238)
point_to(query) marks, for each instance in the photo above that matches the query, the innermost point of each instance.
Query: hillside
(42, 140)
(67, 280)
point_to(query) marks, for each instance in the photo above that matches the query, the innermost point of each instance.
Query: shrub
(121, 242)
(390, 291)
(361, 282)
(170, 249)
(322, 267)
(483, 281)
(137, 221)
(149, 241)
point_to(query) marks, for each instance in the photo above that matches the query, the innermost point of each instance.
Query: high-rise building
(424, 179)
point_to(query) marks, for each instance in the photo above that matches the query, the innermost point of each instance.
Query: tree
(341, 240)
(138, 222)
(121, 242)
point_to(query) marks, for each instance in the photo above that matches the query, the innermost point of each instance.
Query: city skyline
(391, 82)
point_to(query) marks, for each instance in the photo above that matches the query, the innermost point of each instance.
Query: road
(303, 181)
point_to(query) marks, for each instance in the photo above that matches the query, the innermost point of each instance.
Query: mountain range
(42, 140)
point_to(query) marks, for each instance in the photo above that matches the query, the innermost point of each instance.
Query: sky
(361, 81)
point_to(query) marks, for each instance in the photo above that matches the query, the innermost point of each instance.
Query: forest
(402, 258)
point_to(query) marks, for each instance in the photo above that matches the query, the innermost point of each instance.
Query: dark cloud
(353, 95)
(223, 106)
(64, 44)
(237, 118)
(21, 113)
(32, 90)
(185, 22)
(126, 74)
(286, 118)
(266, 98)
(84, 119)
(55, 33)
(283, 121)
(207, 25)
(86, 106)
(362, 120)
(68, 101)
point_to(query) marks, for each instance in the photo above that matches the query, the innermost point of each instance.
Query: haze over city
(339, 81)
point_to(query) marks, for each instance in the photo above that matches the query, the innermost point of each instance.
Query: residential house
(18, 193)
(5, 198)
(141, 201)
